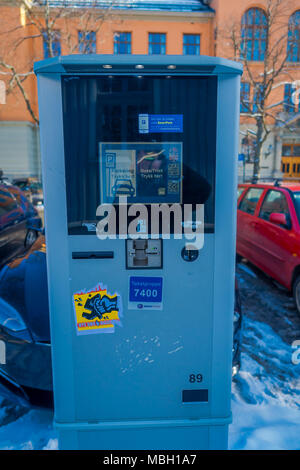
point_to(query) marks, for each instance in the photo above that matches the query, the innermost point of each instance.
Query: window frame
(162, 44)
(288, 105)
(289, 218)
(253, 34)
(118, 42)
(86, 44)
(240, 193)
(56, 41)
(293, 48)
(292, 147)
(144, 97)
(245, 196)
(246, 94)
(195, 45)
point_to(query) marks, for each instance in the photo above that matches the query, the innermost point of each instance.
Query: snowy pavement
(265, 393)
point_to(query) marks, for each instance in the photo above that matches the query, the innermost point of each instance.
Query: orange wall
(229, 14)
(140, 28)
(14, 51)
(139, 25)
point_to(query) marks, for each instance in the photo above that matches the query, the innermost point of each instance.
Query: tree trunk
(258, 149)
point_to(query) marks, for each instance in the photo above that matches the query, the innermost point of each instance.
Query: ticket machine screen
(148, 139)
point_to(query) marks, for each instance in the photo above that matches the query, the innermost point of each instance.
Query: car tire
(296, 293)
(30, 238)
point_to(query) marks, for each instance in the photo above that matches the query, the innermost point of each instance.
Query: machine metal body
(141, 329)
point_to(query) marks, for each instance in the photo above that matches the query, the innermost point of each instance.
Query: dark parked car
(32, 189)
(19, 223)
(25, 374)
(24, 328)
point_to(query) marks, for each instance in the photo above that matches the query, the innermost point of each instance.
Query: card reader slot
(92, 254)
(195, 396)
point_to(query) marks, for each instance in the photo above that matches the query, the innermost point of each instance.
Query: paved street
(265, 301)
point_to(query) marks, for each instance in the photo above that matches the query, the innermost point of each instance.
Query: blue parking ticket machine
(139, 174)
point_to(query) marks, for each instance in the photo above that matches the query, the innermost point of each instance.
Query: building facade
(190, 27)
(244, 24)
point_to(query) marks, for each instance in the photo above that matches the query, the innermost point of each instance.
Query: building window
(54, 44)
(157, 43)
(291, 100)
(253, 34)
(87, 42)
(291, 150)
(290, 163)
(293, 45)
(122, 43)
(258, 98)
(245, 97)
(191, 44)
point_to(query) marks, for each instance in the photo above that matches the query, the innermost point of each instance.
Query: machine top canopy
(109, 64)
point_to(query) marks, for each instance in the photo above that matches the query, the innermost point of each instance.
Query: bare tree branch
(264, 79)
(15, 79)
(47, 24)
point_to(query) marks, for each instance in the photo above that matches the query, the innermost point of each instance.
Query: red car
(268, 231)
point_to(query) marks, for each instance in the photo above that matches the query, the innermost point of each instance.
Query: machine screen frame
(83, 135)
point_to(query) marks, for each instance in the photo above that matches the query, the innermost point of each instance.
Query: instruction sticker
(156, 123)
(144, 172)
(145, 293)
(97, 311)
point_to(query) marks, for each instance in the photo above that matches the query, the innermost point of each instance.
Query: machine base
(202, 434)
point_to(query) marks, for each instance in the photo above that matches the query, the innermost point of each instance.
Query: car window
(35, 187)
(7, 202)
(274, 202)
(21, 184)
(239, 192)
(250, 200)
(296, 197)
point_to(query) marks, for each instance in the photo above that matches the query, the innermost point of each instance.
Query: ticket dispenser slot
(144, 254)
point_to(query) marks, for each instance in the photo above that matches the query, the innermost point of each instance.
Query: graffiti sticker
(97, 311)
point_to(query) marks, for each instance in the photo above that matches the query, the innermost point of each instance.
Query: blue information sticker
(156, 123)
(145, 292)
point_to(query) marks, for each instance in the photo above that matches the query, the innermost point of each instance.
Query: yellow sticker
(97, 311)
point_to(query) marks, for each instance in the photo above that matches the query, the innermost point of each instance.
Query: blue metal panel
(57, 242)
(226, 184)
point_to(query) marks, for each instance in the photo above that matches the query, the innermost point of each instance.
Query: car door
(275, 243)
(246, 242)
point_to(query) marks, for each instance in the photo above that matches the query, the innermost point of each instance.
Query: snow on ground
(26, 429)
(265, 393)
